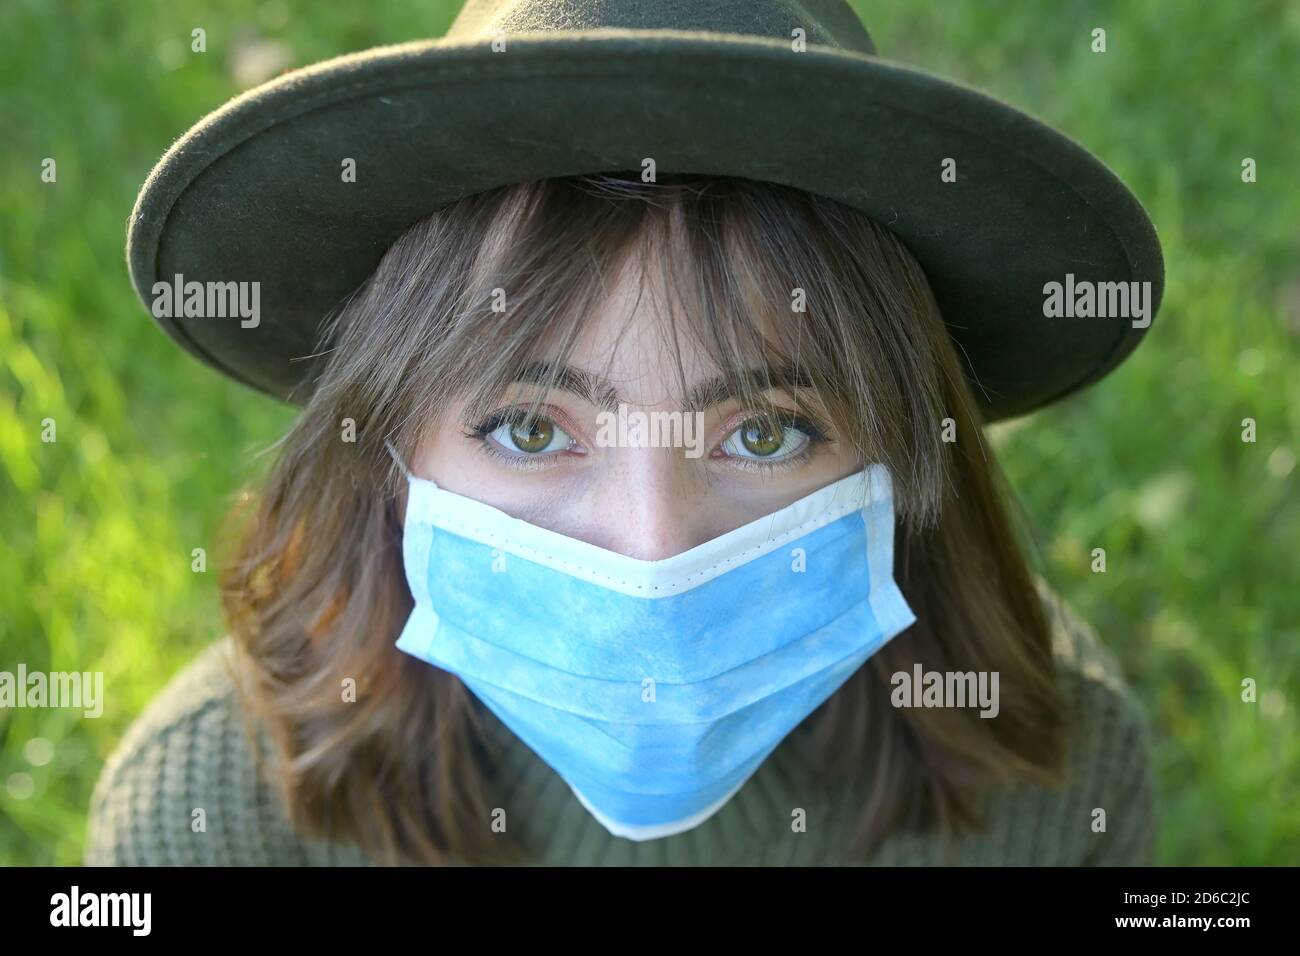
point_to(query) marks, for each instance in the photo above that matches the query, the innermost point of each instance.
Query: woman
(483, 612)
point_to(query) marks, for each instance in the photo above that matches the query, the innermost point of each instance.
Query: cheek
(459, 466)
(448, 457)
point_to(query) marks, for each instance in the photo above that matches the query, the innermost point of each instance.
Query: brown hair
(400, 771)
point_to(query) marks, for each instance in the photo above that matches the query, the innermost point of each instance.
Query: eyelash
(479, 434)
(785, 419)
(508, 416)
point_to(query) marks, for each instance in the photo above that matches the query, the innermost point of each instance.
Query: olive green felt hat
(1001, 211)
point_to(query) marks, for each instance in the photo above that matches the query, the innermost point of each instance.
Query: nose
(654, 511)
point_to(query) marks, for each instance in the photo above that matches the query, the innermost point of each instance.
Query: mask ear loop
(410, 475)
(398, 458)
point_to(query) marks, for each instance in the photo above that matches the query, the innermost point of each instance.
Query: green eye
(765, 437)
(526, 436)
(532, 436)
(761, 437)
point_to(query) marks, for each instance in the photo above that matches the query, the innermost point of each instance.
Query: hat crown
(826, 22)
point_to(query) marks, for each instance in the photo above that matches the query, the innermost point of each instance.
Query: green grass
(1200, 529)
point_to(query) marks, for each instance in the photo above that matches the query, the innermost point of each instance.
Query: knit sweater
(188, 750)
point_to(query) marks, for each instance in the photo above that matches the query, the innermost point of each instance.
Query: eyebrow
(597, 391)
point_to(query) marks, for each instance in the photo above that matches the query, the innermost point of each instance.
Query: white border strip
(485, 524)
(656, 831)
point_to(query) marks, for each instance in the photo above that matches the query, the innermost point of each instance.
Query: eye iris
(761, 438)
(533, 435)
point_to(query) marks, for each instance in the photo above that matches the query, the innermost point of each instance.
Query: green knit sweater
(188, 750)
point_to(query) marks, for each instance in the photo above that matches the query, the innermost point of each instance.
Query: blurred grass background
(1200, 529)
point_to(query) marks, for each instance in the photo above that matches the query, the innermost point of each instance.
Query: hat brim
(254, 192)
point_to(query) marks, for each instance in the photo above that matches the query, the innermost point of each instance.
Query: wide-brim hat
(995, 205)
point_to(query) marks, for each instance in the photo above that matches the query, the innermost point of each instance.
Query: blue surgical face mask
(655, 689)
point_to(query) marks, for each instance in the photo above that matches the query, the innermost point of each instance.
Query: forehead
(645, 337)
(629, 339)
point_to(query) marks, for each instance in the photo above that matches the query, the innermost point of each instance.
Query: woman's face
(564, 472)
